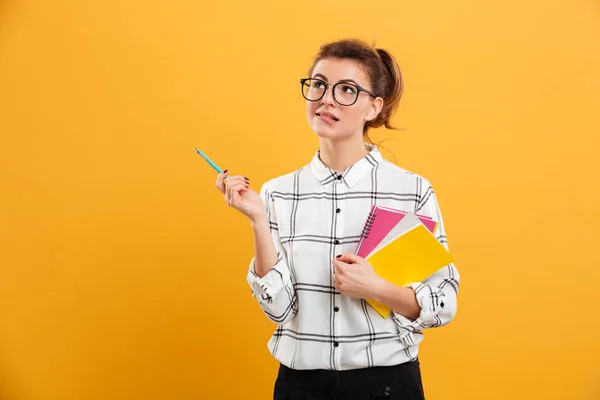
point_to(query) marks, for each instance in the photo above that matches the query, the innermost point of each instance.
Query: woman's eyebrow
(318, 75)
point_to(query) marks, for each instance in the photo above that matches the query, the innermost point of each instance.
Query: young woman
(330, 343)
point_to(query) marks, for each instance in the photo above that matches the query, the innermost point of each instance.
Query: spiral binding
(368, 225)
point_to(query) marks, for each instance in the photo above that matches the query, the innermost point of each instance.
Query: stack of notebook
(401, 247)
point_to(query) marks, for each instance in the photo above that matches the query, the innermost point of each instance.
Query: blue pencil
(212, 164)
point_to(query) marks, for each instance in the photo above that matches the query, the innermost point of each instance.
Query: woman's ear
(375, 109)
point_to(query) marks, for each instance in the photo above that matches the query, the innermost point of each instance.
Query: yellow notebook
(413, 256)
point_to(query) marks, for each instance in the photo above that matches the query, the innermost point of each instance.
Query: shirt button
(336, 241)
(336, 309)
(335, 344)
(339, 177)
(339, 210)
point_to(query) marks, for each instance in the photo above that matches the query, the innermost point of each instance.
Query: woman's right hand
(239, 195)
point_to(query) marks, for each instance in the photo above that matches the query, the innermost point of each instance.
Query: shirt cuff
(431, 301)
(267, 287)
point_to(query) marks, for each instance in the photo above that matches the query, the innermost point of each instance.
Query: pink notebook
(380, 221)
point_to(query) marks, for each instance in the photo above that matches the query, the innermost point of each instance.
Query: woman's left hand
(355, 277)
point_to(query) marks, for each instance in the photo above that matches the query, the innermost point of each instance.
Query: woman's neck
(339, 155)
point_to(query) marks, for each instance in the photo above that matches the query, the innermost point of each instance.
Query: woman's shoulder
(403, 175)
(283, 183)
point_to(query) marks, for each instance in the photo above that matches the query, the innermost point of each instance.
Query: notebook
(413, 255)
(380, 222)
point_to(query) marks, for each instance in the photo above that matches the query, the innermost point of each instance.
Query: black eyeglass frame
(359, 89)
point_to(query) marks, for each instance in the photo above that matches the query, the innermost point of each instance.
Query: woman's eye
(349, 89)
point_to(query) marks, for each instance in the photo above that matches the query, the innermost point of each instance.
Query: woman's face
(327, 118)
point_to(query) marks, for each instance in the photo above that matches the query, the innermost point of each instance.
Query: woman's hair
(381, 68)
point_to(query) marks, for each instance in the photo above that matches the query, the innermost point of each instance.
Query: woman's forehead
(334, 70)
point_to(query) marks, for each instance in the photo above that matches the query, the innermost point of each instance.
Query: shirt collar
(352, 174)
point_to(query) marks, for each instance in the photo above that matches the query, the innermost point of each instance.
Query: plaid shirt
(315, 214)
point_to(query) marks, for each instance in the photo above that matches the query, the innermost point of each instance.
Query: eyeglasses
(344, 93)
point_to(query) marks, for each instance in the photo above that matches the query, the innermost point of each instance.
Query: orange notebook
(412, 256)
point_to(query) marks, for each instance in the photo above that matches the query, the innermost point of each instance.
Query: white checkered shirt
(316, 214)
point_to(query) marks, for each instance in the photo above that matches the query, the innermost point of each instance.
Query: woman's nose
(328, 97)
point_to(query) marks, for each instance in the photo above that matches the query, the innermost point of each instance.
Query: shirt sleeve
(275, 291)
(437, 294)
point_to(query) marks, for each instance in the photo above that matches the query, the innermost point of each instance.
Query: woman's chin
(326, 132)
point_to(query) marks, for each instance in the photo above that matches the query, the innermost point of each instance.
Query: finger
(237, 178)
(234, 180)
(234, 190)
(221, 181)
(236, 184)
(337, 285)
(338, 267)
(230, 194)
(237, 188)
(231, 180)
(350, 258)
(339, 262)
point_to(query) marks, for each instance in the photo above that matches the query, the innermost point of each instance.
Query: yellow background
(122, 270)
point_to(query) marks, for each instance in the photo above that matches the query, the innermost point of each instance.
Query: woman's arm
(402, 300)
(264, 248)
(269, 275)
(437, 294)
(429, 303)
